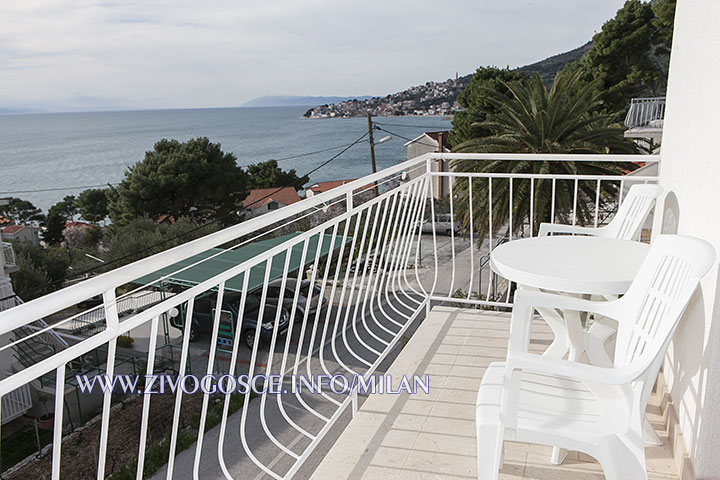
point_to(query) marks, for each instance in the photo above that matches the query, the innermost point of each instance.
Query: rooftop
(259, 197)
(10, 229)
(320, 187)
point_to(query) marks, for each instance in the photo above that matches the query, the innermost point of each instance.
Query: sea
(44, 157)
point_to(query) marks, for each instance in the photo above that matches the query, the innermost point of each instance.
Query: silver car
(273, 294)
(443, 224)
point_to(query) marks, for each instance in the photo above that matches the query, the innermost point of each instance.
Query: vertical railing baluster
(149, 370)
(58, 424)
(510, 209)
(178, 393)
(575, 199)
(597, 202)
(452, 234)
(112, 324)
(490, 233)
(532, 199)
(472, 240)
(209, 371)
(552, 202)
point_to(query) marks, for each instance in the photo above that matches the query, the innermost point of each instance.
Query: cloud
(221, 53)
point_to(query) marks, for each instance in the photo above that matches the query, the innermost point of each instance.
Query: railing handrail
(61, 299)
(546, 157)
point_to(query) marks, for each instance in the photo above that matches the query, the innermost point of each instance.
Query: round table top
(571, 264)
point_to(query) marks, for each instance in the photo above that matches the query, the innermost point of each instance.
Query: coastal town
(432, 98)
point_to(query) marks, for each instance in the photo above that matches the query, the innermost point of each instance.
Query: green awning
(210, 267)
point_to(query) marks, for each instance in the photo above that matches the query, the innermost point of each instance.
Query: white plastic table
(581, 265)
(570, 264)
(576, 265)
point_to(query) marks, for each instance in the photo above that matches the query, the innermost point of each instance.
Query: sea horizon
(57, 150)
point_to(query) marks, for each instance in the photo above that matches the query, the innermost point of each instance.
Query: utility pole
(372, 149)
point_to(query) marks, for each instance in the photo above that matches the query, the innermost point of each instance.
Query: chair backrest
(650, 310)
(635, 208)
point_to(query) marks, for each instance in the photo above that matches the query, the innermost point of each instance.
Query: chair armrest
(548, 228)
(529, 362)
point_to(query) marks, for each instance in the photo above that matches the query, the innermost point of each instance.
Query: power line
(58, 189)
(83, 187)
(406, 138)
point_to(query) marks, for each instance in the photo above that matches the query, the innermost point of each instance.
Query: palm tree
(531, 119)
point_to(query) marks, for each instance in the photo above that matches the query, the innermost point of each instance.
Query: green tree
(467, 124)
(664, 22)
(268, 175)
(66, 207)
(54, 225)
(60, 213)
(129, 242)
(40, 270)
(620, 58)
(531, 119)
(21, 211)
(93, 205)
(194, 178)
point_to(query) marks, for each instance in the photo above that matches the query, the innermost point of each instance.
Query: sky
(72, 54)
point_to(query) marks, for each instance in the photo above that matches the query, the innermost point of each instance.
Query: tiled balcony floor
(433, 435)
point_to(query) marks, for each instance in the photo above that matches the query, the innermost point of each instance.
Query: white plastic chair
(628, 221)
(596, 410)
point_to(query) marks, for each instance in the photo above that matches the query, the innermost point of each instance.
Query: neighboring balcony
(8, 257)
(392, 290)
(645, 120)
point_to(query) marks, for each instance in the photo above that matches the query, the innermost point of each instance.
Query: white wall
(691, 170)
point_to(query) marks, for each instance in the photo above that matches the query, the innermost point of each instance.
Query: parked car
(443, 224)
(204, 315)
(273, 295)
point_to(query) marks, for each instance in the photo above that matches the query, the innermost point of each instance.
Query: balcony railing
(376, 261)
(8, 256)
(644, 111)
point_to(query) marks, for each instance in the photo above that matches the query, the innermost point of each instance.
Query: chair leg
(559, 346)
(621, 460)
(490, 454)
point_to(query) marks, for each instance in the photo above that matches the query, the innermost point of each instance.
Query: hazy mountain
(550, 66)
(296, 101)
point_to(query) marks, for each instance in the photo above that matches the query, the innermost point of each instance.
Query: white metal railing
(644, 111)
(372, 262)
(8, 255)
(93, 320)
(15, 403)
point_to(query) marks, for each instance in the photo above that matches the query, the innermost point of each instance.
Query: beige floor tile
(390, 457)
(418, 407)
(448, 395)
(443, 463)
(444, 443)
(450, 426)
(443, 359)
(453, 410)
(400, 438)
